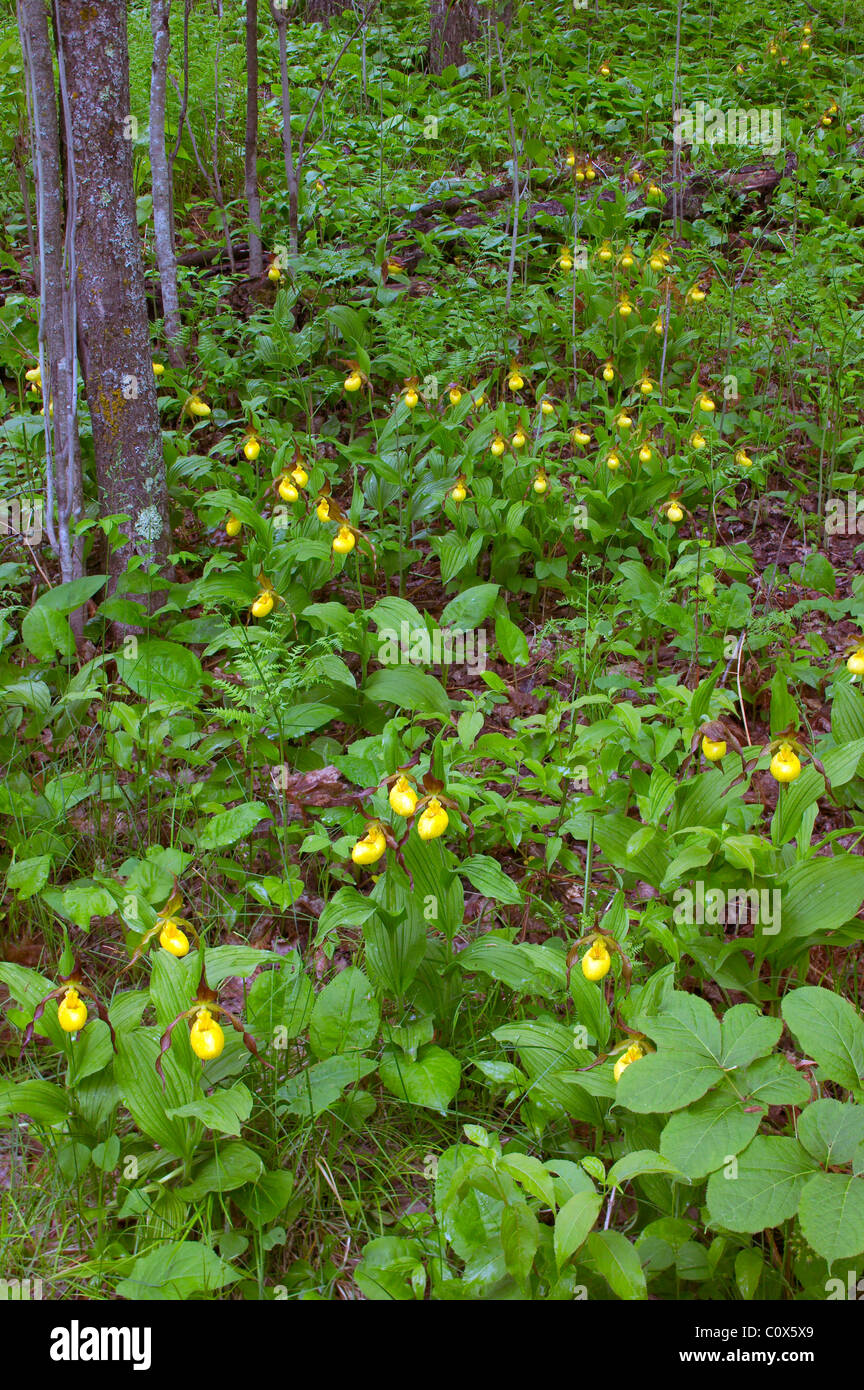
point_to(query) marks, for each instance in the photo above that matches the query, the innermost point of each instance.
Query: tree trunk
(160, 13)
(113, 338)
(322, 11)
(56, 318)
(253, 197)
(292, 173)
(453, 23)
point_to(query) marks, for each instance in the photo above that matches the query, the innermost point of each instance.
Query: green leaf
(527, 969)
(747, 1034)
(531, 1174)
(486, 875)
(573, 1224)
(224, 1111)
(230, 1167)
(408, 688)
(280, 999)
(161, 670)
(141, 1091)
(766, 1189)
(303, 718)
(512, 643)
(227, 827)
(639, 1162)
(431, 1081)
(65, 598)
(820, 895)
(618, 1261)
(830, 1030)
(470, 608)
(831, 1213)
(266, 1198)
(749, 1265)
(176, 1271)
(701, 1138)
(319, 1087)
(831, 1131)
(345, 1017)
(28, 876)
(44, 632)
(41, 1100)
(520, 1240)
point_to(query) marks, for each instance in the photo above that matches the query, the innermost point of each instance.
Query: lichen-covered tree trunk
(113, 333)
(56, 338)
(163, 232)
(253, 197)
(453, 23)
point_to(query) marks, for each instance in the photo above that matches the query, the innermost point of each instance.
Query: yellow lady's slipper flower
(785, 766)
(596, 961)
(263, 604)
(71, 1012)
(173, 940)
(344, 541)
(206, 1036)
(713, 748)
(403, 797)
(433, 822)
(370, 849)
(631, 1055)
(233, 526)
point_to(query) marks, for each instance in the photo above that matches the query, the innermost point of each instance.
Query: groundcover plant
(431, 645)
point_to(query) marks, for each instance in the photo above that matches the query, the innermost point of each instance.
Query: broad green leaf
(831, 1212)
(229, 1167)
(227, 827)
(639, 1162)
(470, 608)
(665, 1081)
(161, 670)
(574, 1223)
(524, 968)
(520, 1239)
(820, 895)
(280, 999)
(830, 1030)
(408, 688)
(319, 1087)
(532, 1175)
(345, 1017)
(142, 1093)
(762, 1187)
(486, 875)
(25, 877)
(41, 1100)
(618, 1261)
(223, 1111)
(747, 1034)
(749, 1265)
(701, 1138)
(431, 1081)
(831, 1131)
(176, 1271)
(266, 1197)
(512, 642)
